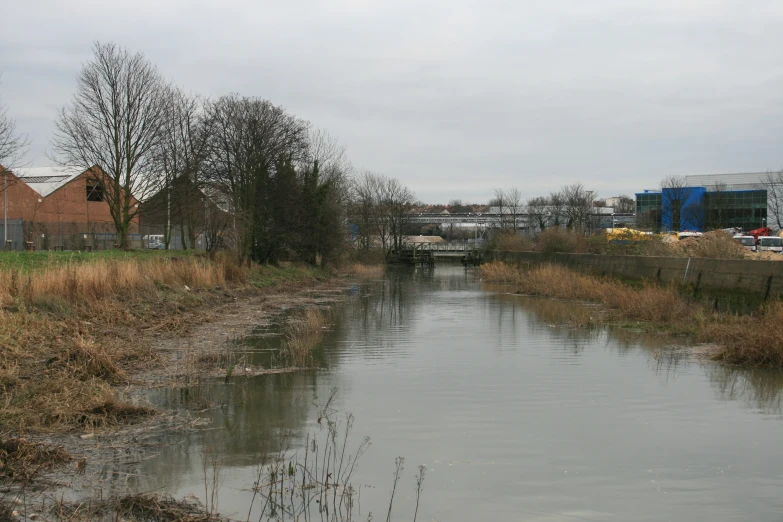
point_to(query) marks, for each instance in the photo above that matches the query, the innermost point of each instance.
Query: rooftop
(45, 180)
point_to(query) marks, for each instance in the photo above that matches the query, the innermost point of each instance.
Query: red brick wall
(68, 204)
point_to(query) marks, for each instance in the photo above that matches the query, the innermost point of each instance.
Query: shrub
(510, 242)
(556, 240)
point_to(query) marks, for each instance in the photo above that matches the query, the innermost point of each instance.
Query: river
(516, 414)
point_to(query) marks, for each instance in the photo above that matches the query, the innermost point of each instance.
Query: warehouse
(55, 208)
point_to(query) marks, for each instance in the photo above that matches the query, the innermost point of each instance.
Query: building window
(94, 192)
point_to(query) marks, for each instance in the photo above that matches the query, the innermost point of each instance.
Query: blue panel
(683, 209)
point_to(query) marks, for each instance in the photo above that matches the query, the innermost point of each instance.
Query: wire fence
(25, 235)
(763, 279)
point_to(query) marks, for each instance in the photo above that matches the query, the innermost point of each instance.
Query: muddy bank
(184, 345)
(198, 351)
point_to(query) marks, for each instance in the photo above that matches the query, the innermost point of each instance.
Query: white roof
(45, 180)
(735, 181)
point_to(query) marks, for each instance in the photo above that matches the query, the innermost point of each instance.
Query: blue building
(705, 203)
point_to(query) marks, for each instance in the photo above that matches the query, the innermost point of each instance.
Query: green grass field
(39, 260)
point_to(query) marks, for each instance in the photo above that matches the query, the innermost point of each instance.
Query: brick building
(54, 207)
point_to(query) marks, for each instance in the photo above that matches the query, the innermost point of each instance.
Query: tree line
(572, 207)
(237, 170)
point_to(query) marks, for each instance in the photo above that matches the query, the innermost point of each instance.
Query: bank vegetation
(71, 333)
(745, 339)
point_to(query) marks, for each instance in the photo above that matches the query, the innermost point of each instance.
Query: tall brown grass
(362, 271)
(109, 277)
(752, 339)
(69, 334)
(302, 333)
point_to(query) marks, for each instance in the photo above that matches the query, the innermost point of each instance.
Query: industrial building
(705, 202)
(55, 208)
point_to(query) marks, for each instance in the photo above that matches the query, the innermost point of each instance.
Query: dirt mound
(765, 256)
(714, 245)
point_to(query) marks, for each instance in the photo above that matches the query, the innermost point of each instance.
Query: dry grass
(71, 332)
(144, 507)
(22, 461)
(752, 339)
(363, 271)
(302, 333)
(91, 282)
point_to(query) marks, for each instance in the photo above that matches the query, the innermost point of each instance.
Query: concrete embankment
(764, 278)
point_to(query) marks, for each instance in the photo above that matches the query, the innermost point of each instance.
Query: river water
(516, 414)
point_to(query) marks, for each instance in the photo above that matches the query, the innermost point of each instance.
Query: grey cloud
(454, 98)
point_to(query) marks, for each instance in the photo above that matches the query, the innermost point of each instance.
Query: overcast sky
(455, 98)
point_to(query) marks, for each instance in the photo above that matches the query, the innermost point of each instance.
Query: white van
(770, 244)
(154, 241)
(747, 242)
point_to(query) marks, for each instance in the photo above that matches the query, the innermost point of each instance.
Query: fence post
(769, 287)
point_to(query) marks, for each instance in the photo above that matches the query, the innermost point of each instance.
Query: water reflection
(758, 389)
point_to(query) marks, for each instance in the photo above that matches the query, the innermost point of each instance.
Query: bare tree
(254, 147)
(364, 210)
(556, 208)
(382, 208)
(515, 206)
(113, 127)
(773, 184)
(499, 202)
(577, 205)
(397, 207)
(538, 212)
(677, 211)
(625, 205)
(181, 162)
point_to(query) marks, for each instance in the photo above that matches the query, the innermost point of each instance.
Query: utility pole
(5, 208)
(168, 214)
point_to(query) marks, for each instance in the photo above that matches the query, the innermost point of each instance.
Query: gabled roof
(45, 180)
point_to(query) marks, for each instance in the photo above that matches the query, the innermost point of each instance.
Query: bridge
(425, 253)
(602, 217)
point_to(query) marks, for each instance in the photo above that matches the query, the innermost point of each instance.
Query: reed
(302, 333)
(88, 282)
(362, 271)
(749, 340)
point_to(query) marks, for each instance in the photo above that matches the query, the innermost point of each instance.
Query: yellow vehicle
(627, 234)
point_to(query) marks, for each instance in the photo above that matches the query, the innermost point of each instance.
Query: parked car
(155, 241)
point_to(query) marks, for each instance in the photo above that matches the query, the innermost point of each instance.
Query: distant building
(54, 207)
(707, 202)
(187, 210)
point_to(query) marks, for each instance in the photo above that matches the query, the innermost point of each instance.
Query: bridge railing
(451, 246)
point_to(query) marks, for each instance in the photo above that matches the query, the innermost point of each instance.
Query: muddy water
(516, 414)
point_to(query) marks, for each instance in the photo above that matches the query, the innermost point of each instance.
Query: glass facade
(648, 211)
(743, 209)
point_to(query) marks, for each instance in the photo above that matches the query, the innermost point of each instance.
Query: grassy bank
(752, 339)
(70, 328)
